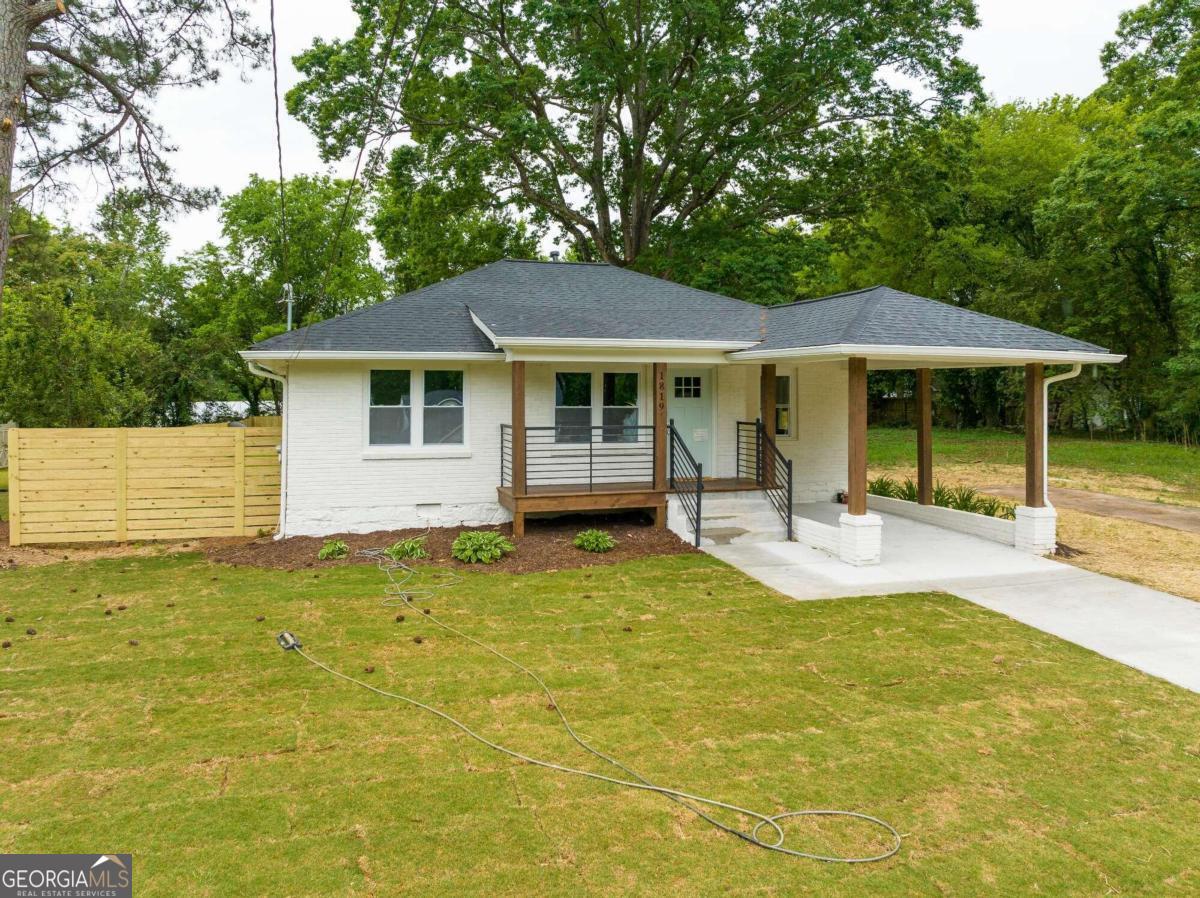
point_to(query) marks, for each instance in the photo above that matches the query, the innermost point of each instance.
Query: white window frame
(416, 447)
(790, 433)
(597, 396)
(637, 403)
(591, 407)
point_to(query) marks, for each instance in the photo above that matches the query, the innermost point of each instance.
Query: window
(783, 406)
(687, 387)
(620, 412)
(443, 407)
(391, 408)
(395, 419)
(572, 407)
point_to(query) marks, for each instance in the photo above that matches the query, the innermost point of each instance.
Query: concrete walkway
(1152, 631)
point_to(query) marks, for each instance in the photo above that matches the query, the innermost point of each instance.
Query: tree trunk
(14, 35)
(17, 22)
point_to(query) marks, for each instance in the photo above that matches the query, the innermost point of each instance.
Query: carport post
(924, 436)
(1035, 435)
(856, 479)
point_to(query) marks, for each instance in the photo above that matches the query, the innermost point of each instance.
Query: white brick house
(528, 387)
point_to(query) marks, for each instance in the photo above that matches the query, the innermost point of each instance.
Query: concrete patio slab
(1149, 630)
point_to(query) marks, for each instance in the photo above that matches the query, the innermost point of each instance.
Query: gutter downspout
(1067, 375)
(260, 371)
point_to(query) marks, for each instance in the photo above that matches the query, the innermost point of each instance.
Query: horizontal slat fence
(101, 485)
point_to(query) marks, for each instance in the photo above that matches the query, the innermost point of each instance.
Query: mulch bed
(546, 546)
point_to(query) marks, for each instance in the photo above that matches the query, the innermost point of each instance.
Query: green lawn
(1014, 763)
(1170, 463)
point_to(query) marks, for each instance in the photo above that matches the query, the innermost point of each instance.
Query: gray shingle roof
(886, 317)
(517, 298)
(421, 321)
(561, 300)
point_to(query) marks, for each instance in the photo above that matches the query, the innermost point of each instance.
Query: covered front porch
(635, 458)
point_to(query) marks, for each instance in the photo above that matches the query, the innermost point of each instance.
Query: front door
(689, 405)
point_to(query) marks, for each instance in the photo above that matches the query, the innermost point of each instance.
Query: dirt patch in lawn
(546, 546)
(12, 557)
(1158, 557)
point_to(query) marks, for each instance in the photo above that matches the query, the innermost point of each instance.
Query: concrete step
(724, 536)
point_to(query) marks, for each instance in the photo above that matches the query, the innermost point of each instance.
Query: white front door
(690, 406)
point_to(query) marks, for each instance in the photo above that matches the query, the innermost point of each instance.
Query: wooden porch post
(1035, 435)
(518, 442)
(661, 437)
(924, 436)
(767, 402)
(660, 425)
(856, 475)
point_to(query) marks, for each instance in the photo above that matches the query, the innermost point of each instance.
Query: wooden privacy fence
(95, 485)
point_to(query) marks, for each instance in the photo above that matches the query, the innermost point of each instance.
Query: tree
(77, 81)
(622, 122)
(430, 232)
(75, 347)
(236, 287)
(1123, 219)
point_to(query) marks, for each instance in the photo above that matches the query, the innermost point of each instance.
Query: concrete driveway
(1152, 631)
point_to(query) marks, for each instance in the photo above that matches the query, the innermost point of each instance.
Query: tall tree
(429, 232)
(77, 80)
(622, 121)
(236, 287)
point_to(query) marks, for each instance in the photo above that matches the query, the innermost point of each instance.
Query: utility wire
(283, 241)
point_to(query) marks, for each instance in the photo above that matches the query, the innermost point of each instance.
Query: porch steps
(729, 518)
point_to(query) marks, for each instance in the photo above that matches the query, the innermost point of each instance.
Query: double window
(574, 401)
(437, 418)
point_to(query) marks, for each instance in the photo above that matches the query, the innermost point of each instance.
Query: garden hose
(400, 594)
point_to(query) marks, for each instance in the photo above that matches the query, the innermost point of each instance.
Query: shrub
(480, 546)
(333, 548)
(962, 498)
(405, 549)
(884, 486)
(594, 541)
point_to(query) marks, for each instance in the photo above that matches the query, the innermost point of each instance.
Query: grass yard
(1159, 557)
(1013, 762)
(1168, 470)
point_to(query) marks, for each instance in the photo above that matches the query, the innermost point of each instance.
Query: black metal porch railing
(686, 477)
(605, 456)
(759, 459)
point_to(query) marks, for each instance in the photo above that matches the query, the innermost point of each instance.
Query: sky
(1025, 49)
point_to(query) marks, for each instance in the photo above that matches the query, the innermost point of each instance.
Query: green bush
(594, 541)
(884, 486)
(333, 548)
(407, 549)
(962, 498)
(480, 546)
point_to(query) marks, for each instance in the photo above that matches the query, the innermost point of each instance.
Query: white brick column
(861, 540)
(1037, 529)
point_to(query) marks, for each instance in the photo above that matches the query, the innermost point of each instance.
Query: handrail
(769, 468)
(684, 469)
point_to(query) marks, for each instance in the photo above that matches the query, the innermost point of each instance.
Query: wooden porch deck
(614, 496)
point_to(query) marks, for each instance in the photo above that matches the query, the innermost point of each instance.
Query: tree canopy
(623, 122)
